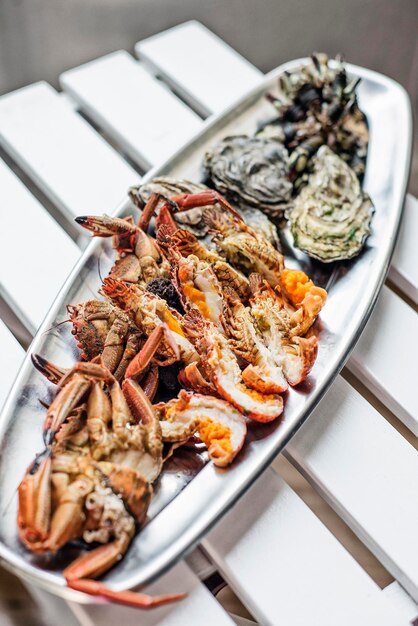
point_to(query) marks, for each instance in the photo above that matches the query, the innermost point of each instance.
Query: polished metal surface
(192, 495)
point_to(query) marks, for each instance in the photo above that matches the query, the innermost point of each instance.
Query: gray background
(39, 39)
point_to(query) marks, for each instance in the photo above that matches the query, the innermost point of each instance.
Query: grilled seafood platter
(231, 324)
(197, 333)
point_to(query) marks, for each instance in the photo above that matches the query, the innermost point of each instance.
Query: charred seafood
(230, 322)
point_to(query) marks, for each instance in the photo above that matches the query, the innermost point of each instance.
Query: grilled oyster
(330, 218)
(251, 171)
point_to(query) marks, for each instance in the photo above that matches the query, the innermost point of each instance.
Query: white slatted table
(282, 562)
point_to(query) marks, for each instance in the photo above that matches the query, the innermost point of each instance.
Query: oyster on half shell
(330, 218)
(251, 171)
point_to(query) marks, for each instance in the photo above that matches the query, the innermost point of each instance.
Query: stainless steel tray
(184, 509)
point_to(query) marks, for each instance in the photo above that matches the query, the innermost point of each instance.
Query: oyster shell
(171, 187)
(317, 104)
(165, 185)
(252, 171)
(330, 218)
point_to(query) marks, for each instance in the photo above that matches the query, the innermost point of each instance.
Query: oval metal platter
(192, 494)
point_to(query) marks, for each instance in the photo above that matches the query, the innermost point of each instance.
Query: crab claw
(52, 372)
(105, 226)
(204, 198)
(128, 598)
(141, 361)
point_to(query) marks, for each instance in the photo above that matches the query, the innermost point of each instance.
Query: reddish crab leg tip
(128, 598)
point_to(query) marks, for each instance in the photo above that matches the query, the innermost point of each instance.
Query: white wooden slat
(286, 566)
(404, 268)
(11, 357)
(200, 564)
(368, 473)
(51, 609)
(36, 255)
(405, 605)
(202, 68)
(242, 621)
(146, 119)
(60, 151)
(385, 357)
(199, 607)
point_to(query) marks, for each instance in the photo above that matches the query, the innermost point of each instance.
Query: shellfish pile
(317, 114)
(199, 328)
(216, 322)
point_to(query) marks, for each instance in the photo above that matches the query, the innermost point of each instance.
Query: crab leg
(114, 345)
(204, 198)
(67, 520)
(99, 416)
(35, 503)
(131, 349)
(146, 435)
(105, 226)
(138, 402)
(78, 575)
(52, 372)
(92, 369)
(141, 361)
(128, 598)
(67, 399)
(121, 415)
(149, 210)
(150, 382)
(165, 218)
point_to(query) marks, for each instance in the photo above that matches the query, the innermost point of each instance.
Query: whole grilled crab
(94, 478)
(103, 329)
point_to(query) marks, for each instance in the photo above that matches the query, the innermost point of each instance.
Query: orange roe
(256, 395)
(198, 298)
(296, 285)
(212, 432)
(172, 323)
